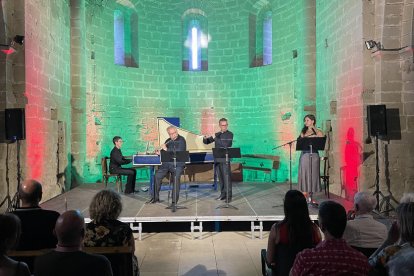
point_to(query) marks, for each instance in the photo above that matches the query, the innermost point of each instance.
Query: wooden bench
(119, 256)
(260, 162)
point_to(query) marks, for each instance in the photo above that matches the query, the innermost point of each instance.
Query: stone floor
(217, 253)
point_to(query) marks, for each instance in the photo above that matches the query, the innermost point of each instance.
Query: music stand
(174, 157)
(223, 155)
(312, 144)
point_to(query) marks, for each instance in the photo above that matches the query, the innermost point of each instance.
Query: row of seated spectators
(32, 228)
(295, 245)
(353, 244)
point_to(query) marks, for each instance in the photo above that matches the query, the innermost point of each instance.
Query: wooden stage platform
(256, 203)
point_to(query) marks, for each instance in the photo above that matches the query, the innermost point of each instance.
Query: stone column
(78, 90)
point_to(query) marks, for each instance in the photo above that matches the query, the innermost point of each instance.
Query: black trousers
(132, 175)
(161, 173)
(223, 172)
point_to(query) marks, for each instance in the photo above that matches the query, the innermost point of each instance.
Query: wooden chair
(106, 175)
(119, 256)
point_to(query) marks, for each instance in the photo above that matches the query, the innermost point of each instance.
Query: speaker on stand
(15, 131)
(377, 127)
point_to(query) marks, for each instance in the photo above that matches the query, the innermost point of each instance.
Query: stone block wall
(125, 101)
(47, 52)
(339, 85)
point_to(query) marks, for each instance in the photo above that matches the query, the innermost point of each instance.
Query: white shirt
(364, 231)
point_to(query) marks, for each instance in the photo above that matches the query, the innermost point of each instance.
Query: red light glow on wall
(350, 133)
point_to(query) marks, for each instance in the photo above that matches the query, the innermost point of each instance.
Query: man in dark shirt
(116, 160)
(37, 223)
(174, 143)
(222, 139)
(68, 257)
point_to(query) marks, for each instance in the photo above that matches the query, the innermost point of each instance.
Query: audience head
(407, 197)
(295, 205)
(297, 218)
(364, 202)
(332, 218)
(30, 192)
(9, 232)
(70, 229)
(405, 220)
(105, 205)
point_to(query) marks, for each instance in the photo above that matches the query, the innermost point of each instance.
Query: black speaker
(15, 124)
(377, 120)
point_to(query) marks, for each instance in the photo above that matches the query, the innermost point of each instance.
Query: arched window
(126, 38)
(195, 41)
(260, 35)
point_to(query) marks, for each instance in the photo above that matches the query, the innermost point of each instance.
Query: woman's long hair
(405, 218)
(311, 117)
(297, 219)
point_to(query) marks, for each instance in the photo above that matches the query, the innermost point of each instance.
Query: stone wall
(125, 101)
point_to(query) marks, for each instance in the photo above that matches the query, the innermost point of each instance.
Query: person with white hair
(407, 198)
(363, 231)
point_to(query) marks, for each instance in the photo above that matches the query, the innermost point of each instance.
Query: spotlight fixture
(18, 41)
(371, 44)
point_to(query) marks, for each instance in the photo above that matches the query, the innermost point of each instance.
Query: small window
(126, 38)
(260, 36)
(195, 41)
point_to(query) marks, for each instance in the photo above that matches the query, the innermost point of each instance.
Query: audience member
(9, 235)
(362, 230)
(398, 259)
(105, 229)
(407, 197)
(290, 236)
(332, 256)
(37, 223)
(68, 257)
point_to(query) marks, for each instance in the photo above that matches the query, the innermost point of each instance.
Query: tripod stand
(12, 203)
(377, 193)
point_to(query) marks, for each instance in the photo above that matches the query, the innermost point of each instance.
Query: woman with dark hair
(105, 229)
(309, 182)
(293, 234)
(9, 236)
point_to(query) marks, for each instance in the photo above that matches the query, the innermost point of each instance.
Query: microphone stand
(290, 159)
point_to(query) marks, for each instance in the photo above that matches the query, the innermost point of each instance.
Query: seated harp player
(222, 139)
(176, 142)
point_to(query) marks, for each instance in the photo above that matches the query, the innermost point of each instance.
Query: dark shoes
(152, 201)
(220, 198)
